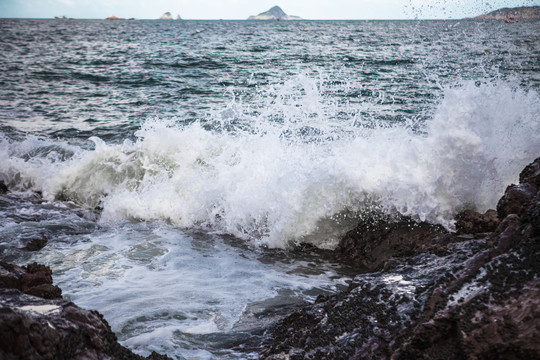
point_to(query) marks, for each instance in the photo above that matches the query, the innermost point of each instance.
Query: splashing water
(294, 171)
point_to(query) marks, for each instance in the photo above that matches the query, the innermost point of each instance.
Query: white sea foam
(164, 290)
(292, 170)
(41, 309)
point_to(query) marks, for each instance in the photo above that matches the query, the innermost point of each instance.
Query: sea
(189, 179)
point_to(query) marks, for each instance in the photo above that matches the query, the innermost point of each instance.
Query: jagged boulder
(34, 279)
(472, 222)
(373, 242)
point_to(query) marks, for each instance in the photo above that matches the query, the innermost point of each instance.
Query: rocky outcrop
(525, 12)
(274, 13)
(166, 16)
(34, 279)
(113, 17)
(36, 323)
(373, 242)
(456, 296)
(471, 222)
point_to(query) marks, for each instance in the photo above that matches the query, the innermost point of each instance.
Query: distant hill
(114, 17)
(166, 16)
(526, 12)
(274, 13)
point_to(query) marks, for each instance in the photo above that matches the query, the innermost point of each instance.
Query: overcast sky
(241, 9)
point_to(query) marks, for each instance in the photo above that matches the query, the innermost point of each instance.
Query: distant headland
(525, 12)
(274, 13)
(114, 17)
(165, 16)
(168, 16)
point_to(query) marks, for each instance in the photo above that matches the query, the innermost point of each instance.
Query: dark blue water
(172, 166)
(88, 75)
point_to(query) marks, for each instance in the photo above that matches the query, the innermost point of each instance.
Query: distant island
(165, 16)
(525, 12)
(114, 17)
(168, 16)
(274, 13)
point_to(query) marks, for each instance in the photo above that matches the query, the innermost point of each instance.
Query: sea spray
(280, 176)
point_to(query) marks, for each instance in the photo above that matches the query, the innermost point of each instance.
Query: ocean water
(174, 168)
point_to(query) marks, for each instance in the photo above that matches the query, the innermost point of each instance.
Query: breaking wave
(296, 169)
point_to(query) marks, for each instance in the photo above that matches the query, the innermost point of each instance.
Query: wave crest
(269, 182)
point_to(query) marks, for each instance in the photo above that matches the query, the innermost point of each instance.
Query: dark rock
(516, 200)
(459, 296)
(3, 188)
(156, 356)
(533, 214)
(504, 331)
(34, 279)
(371, 243)
(36, 323)
(471, 222)
(36, 242)
(531, 174)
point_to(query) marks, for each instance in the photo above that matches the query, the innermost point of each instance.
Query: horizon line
(262, 21)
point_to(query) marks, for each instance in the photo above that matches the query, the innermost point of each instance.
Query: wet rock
(371, 243)
(3, 188)
(36, 241)
(516, 200)
(504, 331)
(460, 296)
(36, 323)
(368, 320)
(531, 174)
(533, 214)
(33, 279)
(471, 222)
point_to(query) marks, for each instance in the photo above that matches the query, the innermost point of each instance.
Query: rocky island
(114, 17)
(274, 13)
(166, 16)
(525, 12)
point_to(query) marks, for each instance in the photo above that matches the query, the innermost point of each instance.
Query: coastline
(473, 294)
(426, 294)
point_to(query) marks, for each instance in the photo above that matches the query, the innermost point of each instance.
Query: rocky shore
(37, 323)
(473, 294)
(421, 293)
